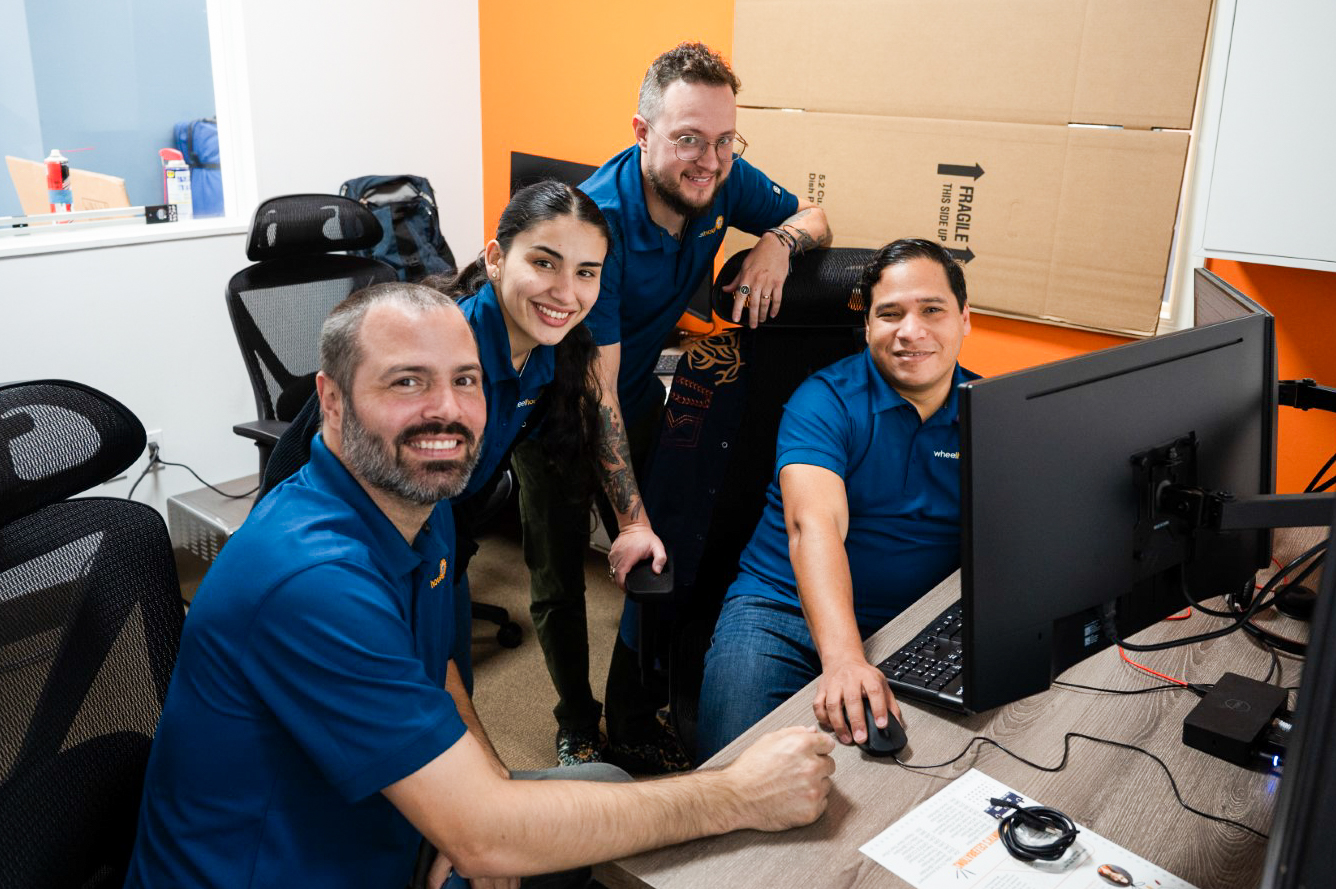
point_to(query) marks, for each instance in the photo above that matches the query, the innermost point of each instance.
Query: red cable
(1122, 654)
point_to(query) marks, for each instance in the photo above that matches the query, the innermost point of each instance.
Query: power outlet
(152, 443)
(152, 446)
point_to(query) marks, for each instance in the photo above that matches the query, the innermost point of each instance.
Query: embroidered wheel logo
(445, 565)
(718, 224)
(719, 353)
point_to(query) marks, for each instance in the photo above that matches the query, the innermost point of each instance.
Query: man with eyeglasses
(669, 200)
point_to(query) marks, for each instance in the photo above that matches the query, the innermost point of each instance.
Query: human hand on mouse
(840, 691)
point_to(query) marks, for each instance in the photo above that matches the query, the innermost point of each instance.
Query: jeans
(580, 877)
(761, 654)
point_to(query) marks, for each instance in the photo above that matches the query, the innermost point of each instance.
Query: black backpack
(406, 208)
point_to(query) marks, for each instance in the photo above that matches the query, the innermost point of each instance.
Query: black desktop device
(1231, 722)
(1064, 543)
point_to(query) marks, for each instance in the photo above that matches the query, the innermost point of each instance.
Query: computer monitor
(1301, 852)
(526, 169)
(1054, 526)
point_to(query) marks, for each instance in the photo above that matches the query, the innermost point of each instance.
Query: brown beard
(673, 197)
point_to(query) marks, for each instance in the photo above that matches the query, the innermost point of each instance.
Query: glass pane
(108, 84)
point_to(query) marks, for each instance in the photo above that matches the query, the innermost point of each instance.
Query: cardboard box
(91, 191)
(1059, 224)
(1027, 135)
(1129, 63)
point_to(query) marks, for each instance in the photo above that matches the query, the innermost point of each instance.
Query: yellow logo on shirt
(445, 565)
(718, 224)
(527, 402)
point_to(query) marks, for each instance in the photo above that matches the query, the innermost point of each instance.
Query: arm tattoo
(619, 480)
(804, 238)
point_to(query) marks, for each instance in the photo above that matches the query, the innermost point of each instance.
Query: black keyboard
(928, 668)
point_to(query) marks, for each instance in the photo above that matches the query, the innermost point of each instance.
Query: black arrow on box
(961, 256)
(974, 172)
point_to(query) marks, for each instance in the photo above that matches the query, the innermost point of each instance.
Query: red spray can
(58, 192)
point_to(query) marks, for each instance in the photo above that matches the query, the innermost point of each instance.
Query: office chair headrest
(302, 224)
(821, 291)
(58, 439)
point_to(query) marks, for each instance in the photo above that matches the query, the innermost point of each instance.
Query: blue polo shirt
(311, 675)
(649, 276)
(902, 477)
(511, 396)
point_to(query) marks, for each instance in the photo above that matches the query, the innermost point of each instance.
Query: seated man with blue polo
(862, 516)
(317, 729)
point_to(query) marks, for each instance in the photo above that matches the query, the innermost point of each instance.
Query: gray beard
(375, 462)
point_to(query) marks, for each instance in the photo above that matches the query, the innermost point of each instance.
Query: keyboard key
(929, 666)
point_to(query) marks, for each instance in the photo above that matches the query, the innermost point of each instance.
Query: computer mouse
(882, 741)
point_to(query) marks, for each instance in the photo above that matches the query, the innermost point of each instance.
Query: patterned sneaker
(662, 754)
(575, 747)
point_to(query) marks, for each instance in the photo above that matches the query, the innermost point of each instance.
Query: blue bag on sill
(197, 140)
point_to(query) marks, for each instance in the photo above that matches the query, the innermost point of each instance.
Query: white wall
(336, 90)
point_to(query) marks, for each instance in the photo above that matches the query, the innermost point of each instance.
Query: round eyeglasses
(690, 147)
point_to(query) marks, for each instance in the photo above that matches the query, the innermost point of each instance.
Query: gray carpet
(512, 691)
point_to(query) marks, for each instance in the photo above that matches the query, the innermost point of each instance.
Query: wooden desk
(1120, 794)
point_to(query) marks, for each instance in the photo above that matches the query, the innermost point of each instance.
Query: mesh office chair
(705, 485)
(90, 622)
(278, 304)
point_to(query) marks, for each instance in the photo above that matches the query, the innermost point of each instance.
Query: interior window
(108, 85)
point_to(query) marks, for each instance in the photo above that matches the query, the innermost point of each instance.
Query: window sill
(36, 242)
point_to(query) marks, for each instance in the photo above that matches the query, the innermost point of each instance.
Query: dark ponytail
(571, 430)
(463, 283)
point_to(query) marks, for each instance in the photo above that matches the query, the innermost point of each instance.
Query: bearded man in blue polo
(317, 729)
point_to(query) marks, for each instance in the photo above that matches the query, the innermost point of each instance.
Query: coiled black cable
(1058, 830)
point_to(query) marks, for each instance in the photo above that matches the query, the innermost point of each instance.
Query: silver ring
(744, 290)
(765, 297)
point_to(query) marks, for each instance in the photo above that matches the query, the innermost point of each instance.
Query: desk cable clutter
(1062, 764)
(970, 832)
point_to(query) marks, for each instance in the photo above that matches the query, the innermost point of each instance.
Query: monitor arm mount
(1306, 395)
(1176, 493)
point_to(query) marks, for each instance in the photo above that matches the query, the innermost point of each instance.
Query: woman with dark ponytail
(528, 292)
(525, 297)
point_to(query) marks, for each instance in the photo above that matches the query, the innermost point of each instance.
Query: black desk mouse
(882, 741)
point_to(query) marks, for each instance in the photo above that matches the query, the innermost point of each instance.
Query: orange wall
(560, 80)
(1304, 303)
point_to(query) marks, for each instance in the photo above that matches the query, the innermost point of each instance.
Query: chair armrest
(643, 585)
(262, 432)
